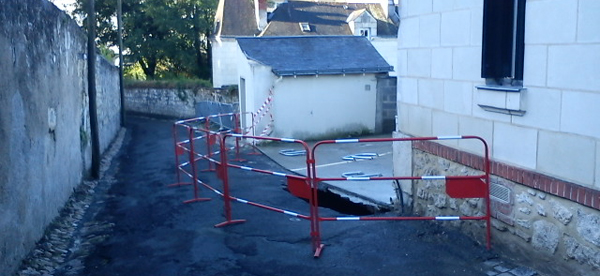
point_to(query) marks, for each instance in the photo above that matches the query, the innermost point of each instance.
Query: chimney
(260, 9)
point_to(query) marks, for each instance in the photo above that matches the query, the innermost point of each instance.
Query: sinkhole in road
(338, 203)
(328, 199)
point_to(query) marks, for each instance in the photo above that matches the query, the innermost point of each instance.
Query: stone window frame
(502, 57)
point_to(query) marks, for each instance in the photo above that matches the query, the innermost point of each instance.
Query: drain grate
(500, 193)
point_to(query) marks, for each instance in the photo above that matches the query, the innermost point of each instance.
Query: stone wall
(386, 105)
(172, 102)
(44, 119)
(553, 234)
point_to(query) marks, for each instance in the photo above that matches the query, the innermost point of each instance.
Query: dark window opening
(503, 45)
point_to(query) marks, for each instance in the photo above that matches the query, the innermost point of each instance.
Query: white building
(536, 102)
(309, 87)
(241, 18)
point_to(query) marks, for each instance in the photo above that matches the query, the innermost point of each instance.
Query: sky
(65, 5)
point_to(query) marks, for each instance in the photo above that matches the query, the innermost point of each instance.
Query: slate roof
(324, 18)
(315, 55)
(235, 18)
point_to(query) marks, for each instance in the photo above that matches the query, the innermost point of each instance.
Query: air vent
(499, 193)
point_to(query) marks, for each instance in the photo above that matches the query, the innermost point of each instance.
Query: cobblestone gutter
(68, 239)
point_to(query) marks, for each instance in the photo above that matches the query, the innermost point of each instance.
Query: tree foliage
(166, 38)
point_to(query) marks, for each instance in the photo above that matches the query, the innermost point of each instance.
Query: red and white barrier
(457, 186)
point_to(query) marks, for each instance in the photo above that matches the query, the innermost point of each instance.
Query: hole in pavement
(328, 199)
(333, 201)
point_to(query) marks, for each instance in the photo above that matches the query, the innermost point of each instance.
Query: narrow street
(139, 226)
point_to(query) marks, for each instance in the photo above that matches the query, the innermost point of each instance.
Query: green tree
(167, 38)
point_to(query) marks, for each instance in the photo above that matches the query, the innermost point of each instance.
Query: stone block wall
(386, 105)
(172, 102)
(540, 226)
(176, 103)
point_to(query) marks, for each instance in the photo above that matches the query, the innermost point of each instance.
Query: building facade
(532, 95)
(309, 87)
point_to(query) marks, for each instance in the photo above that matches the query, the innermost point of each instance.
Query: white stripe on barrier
(346, 141)
(220, 115)
(237, 135)
(449, 137)
(241, 200)
(433, 177)
(347, 218)
(212, 160)
(290, 213)
(447, 218)
(337, 163)
(278, 174)
(358, 178)
(245, 168)
(290, 140)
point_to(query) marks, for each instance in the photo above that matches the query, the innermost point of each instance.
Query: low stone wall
(176, 103)
(171, 102)
(555, 235)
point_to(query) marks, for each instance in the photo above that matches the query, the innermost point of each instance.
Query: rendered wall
(224, 61)
(548, 160)
(308, 107)
(44, 121)
(312, 107)
(387, 48)
(258, 81)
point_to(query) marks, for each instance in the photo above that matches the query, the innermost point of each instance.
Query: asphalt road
(152, 232)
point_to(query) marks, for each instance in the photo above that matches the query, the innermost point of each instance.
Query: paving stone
(523, 271)
(501, 268)
(492, 262)
(491, 273)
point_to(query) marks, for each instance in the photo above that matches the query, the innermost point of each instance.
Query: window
(503, 42)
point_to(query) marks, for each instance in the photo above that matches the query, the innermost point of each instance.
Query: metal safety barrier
(198, 130)
(187, 166)
(195, 130)
(472, 186)
(297, 185)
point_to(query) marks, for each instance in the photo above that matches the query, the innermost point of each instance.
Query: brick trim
(568, 190)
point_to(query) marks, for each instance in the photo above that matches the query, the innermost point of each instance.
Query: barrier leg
(488, 222)
(178, 151)
(226, 196)
(237, 151)
(315, 231)
(194, 169)
(237, 130)
(210, 138)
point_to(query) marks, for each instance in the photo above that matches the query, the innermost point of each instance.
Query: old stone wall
(176, 103)
(44, 119)
(555, 235)
(386, 105)
(173, 102)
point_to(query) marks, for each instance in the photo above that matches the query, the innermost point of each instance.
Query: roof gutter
(372, 70)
